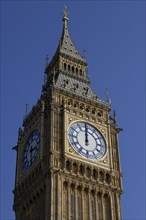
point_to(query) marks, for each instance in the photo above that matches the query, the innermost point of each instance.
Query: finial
(115, 120)
(20, 132)
(65, 15)
(43, 105)
(107, 96)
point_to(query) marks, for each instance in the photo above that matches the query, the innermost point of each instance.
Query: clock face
(87, 140)
(31, 150)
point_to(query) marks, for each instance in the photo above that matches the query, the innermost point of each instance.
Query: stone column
(52, 195)
(42, 129)
(96, 206)
(110, 150)
(65, 126)
(118, 206)
(59, 196)
(86, 209)
(83, 206)
(68, 205)
(89, 204)
(75, 199)
(51, 137)
(103, 207)
(47, 198)
(111, 206)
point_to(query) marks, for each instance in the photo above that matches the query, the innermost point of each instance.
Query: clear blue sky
(113, 34)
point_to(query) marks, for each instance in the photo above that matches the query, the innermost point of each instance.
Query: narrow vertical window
(79, 209)
(86, 206)
(64, 66)
(99, 210)
(65, 201)
(107, 207)
(93, 210)
(72, 208)
(115, 206)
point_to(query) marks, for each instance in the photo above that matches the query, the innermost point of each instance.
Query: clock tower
(68, 160)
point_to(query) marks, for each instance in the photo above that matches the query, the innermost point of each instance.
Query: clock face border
(94, 153)
(31, 149)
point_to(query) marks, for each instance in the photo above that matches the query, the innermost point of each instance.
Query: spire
(66, 45)
(67, 57)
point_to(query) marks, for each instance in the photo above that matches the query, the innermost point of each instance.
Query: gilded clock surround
(61, 184)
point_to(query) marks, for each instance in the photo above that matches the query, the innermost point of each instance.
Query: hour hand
(32, 149)
(86, 136)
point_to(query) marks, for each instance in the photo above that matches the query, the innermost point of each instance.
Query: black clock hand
(32, 149)
(86, 136)
(30, 154)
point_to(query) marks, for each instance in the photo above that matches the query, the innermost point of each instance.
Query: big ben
(68, 160)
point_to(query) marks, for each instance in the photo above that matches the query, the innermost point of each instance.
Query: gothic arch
(88, 172)
(68, 165)
(101, 176)
(94, 174)
(74, 168)
(81, 170)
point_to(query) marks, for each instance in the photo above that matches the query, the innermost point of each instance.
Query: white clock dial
(87, 140)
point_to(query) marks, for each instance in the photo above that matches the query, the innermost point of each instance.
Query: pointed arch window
(101, 176)
(72, 207)
(115, 204)
(68, 165)
(93, 217)
(99, 206)
(86, 203)
(94, 174)
(65, 200)
(81, 170)
(79, 209)
(69, 68)
(64, 66)
(72, 69)
(107, 207)
(99, 211)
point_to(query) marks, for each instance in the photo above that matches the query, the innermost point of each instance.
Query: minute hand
(86, 136)
(32, 149)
